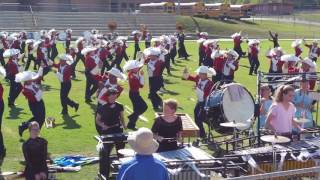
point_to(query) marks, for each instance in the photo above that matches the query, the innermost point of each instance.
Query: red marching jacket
(317, 51)
(207, 88)
(134, 82)
(298, 51)
(237, 41)
(67, 71)
(90, 64)
(29, 94)
(254, 51)
(12, 68)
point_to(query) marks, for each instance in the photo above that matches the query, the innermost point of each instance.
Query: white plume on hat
(116, 72)
(10, 52)
(142, 141)
(253, 41)
(289, 57)
(26, 76)
(132, 64)
(206, 70)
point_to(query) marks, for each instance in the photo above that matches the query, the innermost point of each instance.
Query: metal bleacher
(31, 20)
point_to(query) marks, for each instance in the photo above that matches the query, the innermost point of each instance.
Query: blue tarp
(74, 160)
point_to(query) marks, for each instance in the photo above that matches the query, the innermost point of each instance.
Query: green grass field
(74, 134)
(255, 29)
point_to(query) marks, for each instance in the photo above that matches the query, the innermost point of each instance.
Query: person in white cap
(204, 87)
(109, 120)
(227, 66)
(314, 50)
(275, 60)
(309, 66)
(136, 81)
(143, 166)
(64, 76)
(237, 40)
(33, 93)
(13, 68)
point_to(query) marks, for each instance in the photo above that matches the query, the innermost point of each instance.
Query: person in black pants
(136, 38)
(136, 81)
(92, 72)
(2, 147)
(35, 152)
(274, 39)
(64, 75)
(79, 56)
(109, 120)
(12, 68)
(173, 49)
(33, 93)
(182, 52)
(30, 55)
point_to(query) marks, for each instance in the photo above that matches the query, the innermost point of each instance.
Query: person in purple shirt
(143, 166)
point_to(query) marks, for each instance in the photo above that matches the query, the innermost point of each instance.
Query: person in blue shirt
(143, 166)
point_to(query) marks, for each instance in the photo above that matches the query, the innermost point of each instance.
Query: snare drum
(223, 106)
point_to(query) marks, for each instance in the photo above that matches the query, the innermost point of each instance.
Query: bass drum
(231, 103)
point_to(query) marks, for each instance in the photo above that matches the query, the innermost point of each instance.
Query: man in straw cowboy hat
(143, 166)
(109, 120)
(33, 93)
(204, 87)
(136, 81)
(64, 76)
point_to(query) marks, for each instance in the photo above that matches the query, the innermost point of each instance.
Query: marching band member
(119, 48)
(110, 120)
(12, 69)
(303, 103)
(3, 46)
(136, 38)
(35, 152)
(275, 60)
(309, 66)
(274, 39)
(155, 69)
(33, 93)
(210, 46)
(22, 38)
(230, 65)
(30, 46)
(289, 64)
(266, 101)
(202, 49)
(282, 112)
(53, 44)
(64, 76)
(80, 45)
(296, 45)
(2, 147)
(237, 40)
(68, 39)
(254, 56)
(136, 81)
(168, 125)
(92, 71)
(165, 46)
(173, 48)
(218, 59)
(314, 50)
(112, 35)
(182, 52)
(103, 54)
(42, 57)
(203, 89)
(111, 81)
(147, 40)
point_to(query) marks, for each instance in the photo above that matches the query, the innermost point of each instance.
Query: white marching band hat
(217, 53)
(253, 41)
(69, 30)
(204, 34)
(152, 51)
(117, 73)
(233, 53)
(10, 52)
(29, 41)
(237, 34)
(201, 40)
(289, 57)
(132, 64)
(26, 76)
(210, 41)
(309, 62)
(155, 39)
(135, 32)
(206, 70)
(142, 141)
(66, 57)
(79, 40)
(86, 50)
(296, 43)
(51, 31)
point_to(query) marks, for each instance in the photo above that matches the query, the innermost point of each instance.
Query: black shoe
(76, 107)
(12, 105)
(132, 128)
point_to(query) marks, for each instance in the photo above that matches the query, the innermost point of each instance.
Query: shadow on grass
(93, 106)
(46, 87)
(247, 22)
(14, 113)
(245, 66)
(173, 93)
(167, 81)
(69, 122)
